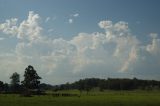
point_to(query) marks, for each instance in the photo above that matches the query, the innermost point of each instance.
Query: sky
(67, 40)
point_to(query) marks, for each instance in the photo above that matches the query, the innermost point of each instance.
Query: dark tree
(6, 87)
(31, 78)
(102, 85)
(15, 80)
(80, 85)
(1, 86)
(88, 85)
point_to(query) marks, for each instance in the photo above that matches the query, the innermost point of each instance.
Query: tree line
(31, 84)
(110, 84)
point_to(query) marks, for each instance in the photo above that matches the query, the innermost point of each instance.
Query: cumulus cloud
(115, 52)
(154, 47)
(105, 24)
(9, 27)
(28, 29)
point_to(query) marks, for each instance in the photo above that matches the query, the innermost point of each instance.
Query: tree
(1, 86)
(80, 85)
(15, 80)
(88, 85)
(31, 78)
(6, 87)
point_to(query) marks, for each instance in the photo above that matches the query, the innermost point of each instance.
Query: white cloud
(113, 53)
(28, 29)
(153, 35)
(154, 47)
(75, 15)
(131, 58)
(105, 24)
(9, 27)
(47, 19)
(50, 19)
(72, 18)
(70, 21)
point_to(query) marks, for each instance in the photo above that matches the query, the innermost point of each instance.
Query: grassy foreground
(107, 98)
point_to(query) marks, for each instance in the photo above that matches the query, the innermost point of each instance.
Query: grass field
(107, 98)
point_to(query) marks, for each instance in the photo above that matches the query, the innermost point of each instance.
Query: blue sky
(143, 16)
(70, 39)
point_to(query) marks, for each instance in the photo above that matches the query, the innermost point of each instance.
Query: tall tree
(31, 78)
(15, 80)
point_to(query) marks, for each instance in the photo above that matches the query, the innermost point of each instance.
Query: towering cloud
(9, 27)
(117, 52)
(28, 29)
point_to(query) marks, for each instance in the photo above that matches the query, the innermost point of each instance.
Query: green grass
(107, 98)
